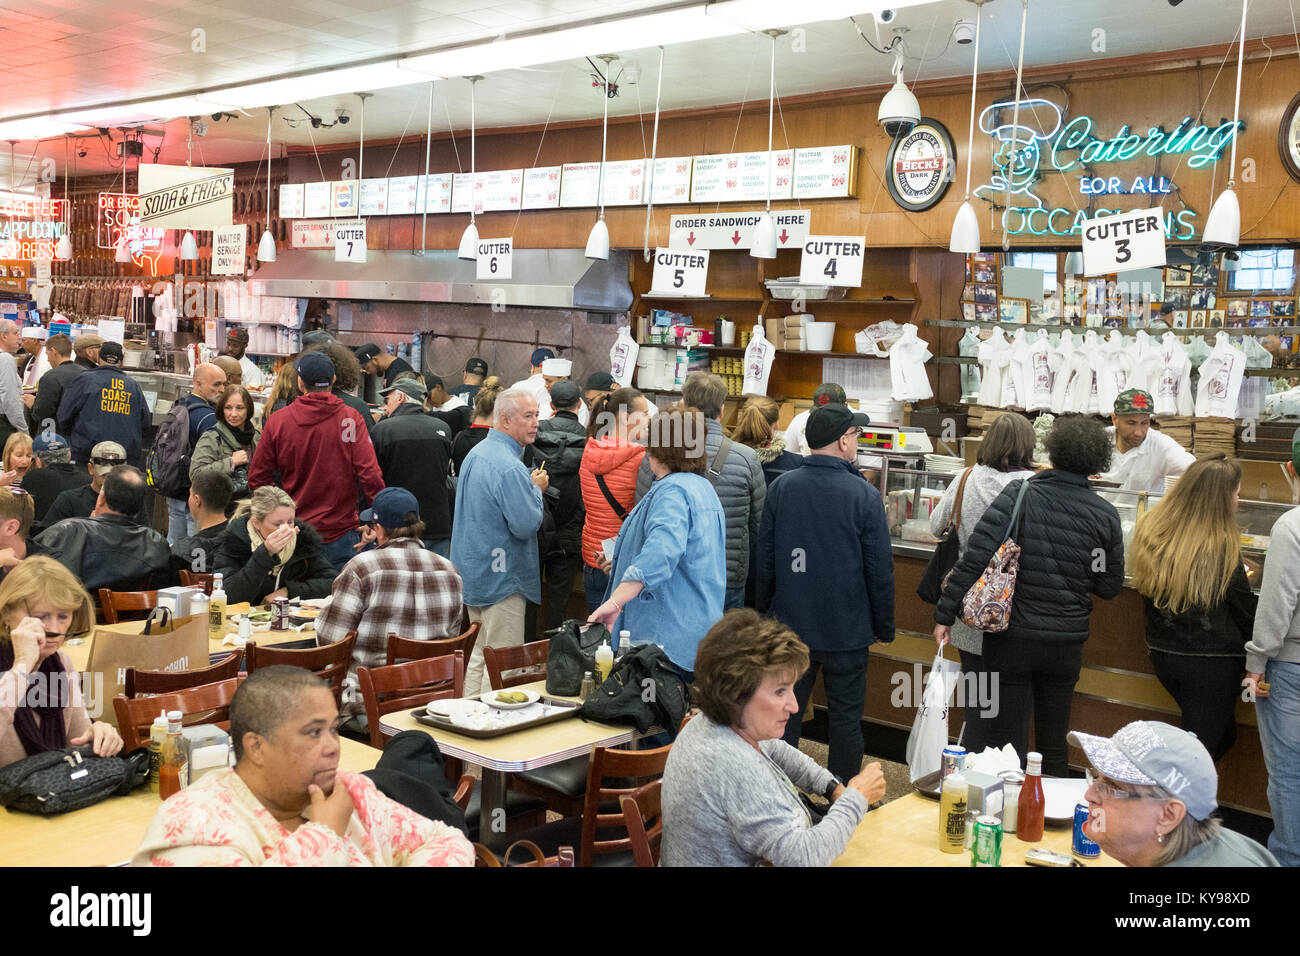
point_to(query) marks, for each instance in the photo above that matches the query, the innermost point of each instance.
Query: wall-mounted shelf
(1231, 330)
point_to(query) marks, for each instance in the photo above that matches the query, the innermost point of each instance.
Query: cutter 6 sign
(919, 166)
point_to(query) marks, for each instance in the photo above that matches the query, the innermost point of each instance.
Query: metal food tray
(787, 290)
(567, 709)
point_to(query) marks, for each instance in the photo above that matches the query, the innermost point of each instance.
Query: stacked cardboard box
(1214, 435)
(1179, 428)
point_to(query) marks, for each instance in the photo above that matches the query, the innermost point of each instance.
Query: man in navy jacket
(826, 570)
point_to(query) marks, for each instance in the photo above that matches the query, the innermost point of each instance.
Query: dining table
(525, 749)
(108, 833)
(905, 832)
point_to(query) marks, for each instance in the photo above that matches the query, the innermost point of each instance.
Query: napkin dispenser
(206, 748)
(983, 793)
(176, 600)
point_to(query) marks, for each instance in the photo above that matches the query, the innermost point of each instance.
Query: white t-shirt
(454, 401)
(535, 385)
(252, 375)
(1144, 468)
(794, 439)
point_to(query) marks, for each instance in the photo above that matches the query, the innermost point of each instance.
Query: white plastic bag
(622, 357)
(930, 728)
(759, 355)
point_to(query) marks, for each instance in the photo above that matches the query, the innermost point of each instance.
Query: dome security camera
(343, 117)
(963, 31)
(886, 16)
(899, 110)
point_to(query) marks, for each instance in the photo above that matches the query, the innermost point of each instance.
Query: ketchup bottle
(1029, 815)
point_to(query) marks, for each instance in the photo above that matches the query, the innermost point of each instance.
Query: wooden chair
(641, 807)
(330, 663)
(641, 765)
(140, 682)
(498, 660)
(464, 787)
(110, 602)
(207, 704)
(405, 649)
(191, 579)
(400, 686)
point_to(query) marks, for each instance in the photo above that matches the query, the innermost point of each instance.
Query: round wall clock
(1288, 138)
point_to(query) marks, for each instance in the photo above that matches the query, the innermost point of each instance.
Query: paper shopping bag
(180, 644)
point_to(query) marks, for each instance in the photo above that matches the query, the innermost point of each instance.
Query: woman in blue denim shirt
(669, 572)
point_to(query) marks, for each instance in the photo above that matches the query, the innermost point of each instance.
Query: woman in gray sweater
(1006, 454)
(731, 786)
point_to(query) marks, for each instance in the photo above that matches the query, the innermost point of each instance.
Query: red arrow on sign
(690, 240)
(735, 239)
(784, 236)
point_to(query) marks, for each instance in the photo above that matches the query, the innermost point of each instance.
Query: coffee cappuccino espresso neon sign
(1042, 136)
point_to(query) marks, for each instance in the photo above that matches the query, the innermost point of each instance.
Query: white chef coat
(794, 437)
(535, 385)
(252, 375)
(1144, 468)
(37, 367)
(454, 401)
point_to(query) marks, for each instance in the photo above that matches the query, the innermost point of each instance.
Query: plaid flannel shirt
(400, 588)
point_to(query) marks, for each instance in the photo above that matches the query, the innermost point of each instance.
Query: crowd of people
(755, 561)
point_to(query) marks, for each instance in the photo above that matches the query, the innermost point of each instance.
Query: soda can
(280, 614)
(986, 845)
(953, 758)
(1080, 845)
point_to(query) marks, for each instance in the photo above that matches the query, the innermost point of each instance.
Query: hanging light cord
(428, 149)
(1015, 115)
(771, 99)
(270, 112)
(473, 148)
(1236, 103)
(654, 149)
(974, 76)
(604, 141)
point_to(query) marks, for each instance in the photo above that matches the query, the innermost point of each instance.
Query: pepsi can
(1080, 845)
(953, 758)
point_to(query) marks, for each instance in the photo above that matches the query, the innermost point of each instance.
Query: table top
(109, 832)
(79, 654)
(524, 749)
(905, 832)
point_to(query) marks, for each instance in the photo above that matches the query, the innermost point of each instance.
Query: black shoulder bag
(944, 558)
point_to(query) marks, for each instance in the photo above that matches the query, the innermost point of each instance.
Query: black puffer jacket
(560, 442)
(1071, 548)
(247, 573)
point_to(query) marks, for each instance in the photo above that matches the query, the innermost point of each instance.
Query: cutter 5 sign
(919, 166)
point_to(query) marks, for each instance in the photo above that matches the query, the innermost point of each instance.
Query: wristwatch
(834, 785)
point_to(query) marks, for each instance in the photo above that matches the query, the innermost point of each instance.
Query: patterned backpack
(987, 605)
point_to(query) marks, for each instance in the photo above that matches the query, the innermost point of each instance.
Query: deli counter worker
(1143, 458)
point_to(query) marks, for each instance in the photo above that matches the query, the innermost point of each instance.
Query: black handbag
(944, 558)
(572, 653)
(61, 780)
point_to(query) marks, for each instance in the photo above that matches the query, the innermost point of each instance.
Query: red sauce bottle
(1029, 816)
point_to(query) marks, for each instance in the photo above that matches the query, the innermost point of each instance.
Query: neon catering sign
(1042, 136)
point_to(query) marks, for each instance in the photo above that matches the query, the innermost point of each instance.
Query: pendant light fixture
(266, 245)
(598, 240)
(1223, 225)
(764, 245)
(63, 248)
(966, 227)
(1015, 118)
(123, 249)
(1074, 263)
(189, 248)
(469, 238)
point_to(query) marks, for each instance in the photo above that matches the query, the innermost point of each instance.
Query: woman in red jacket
(608, 475)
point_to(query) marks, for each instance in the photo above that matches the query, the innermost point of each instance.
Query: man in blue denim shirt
(826, 570)
(494, 536)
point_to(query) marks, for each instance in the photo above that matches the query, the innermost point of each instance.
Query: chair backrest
(641, 766)
(405, 649)
(165, 682)
(645, 823)
(330, 663)
(191, 579)
(207, 704)
(110, 602)
(498, 660)
(400, 686)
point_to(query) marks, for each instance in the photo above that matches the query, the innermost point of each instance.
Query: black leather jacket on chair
(110, 551)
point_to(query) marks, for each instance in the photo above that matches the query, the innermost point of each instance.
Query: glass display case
(911, 489)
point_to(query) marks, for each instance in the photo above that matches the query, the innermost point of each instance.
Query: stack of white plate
(944, 464)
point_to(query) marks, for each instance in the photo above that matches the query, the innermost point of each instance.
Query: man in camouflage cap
(1142, 458)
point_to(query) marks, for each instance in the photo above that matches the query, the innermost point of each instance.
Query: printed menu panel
(624, 183)
(315, 200)
(343, 198)
(503, 190)
(291, 198)
(742, 177)
(467, 192)
(542, 187)
(579, 184)
(402, 195)
(824, 172)
(374, 197)
(672, 180)
(433, 193)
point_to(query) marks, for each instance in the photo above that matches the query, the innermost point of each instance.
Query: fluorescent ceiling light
(330, 83)
(41, 127)
(767, 14)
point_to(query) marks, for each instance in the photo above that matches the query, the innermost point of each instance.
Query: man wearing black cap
(316, 449)
(375, 361)
(598, 384)
(826, 569)
(104, 405)
(559, 445)
(236, 347)
(54, 472)
(475, 371)
(414, 452)
(535, 383)
(396, 588)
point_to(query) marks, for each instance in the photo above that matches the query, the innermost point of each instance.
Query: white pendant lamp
(266, 245)
(1015, 118)
(764, 245)
(469, 238)
(1231, 262)
(1223, 225)
(965, 236)
(189, 248)
(598, 240)
(63, 248)
(1074, 264)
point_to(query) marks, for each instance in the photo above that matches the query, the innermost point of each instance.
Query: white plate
(314, 602)
(1060, 796)
(455, 708)
(490, 698)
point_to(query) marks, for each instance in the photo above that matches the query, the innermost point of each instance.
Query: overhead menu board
(467, 192)
(291, 196)
(343, 198)
(542, 187)
(502, 190)
(315, 200)
(402, 195)
(374, 197)
(433, 193)
(825, 172)
(579, 184)
(742, 177)
(672, 180)
(624, 182)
